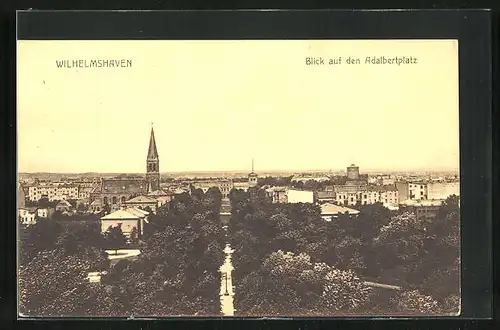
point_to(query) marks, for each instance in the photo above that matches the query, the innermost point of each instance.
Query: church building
(114, 192)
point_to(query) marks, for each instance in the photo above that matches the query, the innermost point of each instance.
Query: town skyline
(213, 111)
(265, 171)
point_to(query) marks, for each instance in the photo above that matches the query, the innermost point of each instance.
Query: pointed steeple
(152, 152)
(152, 164)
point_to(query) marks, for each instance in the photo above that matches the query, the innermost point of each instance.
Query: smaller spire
(252, 165)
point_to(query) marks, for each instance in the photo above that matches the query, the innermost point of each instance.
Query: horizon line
(257, 171)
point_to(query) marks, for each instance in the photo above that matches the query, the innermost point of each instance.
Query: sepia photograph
(238, 178)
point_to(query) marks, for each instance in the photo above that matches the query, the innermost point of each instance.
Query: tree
(114, 238)
(213, 198)
(106, 209)
(423, 255)
(401, 242)
(413, 302)
(134, 237)
(177, 270)
(41, 236)
(291, 284)
(54, 283)
(275, 181)
(197, 193)
(45, 203)
(438, 272)
(398, 249)
(82, 207)
(344, 291)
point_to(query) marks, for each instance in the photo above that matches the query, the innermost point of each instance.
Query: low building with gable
(331, 211)
(127, 219)
(424, 209)
(162, 197)
(142, 202)
(64, 207)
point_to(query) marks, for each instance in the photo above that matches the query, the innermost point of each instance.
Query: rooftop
(141, 199)
(128, 214)
(382, 188)
(138, 185)
(276, 188)
(410, 202)
(327, 209)
(157, 193)
(138, 212)
(64, 203)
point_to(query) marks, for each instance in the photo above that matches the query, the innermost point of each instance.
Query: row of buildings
(56, 191)
(355, 191)
(28, 214)
(122, 196)
(424, 198)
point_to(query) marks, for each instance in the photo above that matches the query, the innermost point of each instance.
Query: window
(114, 199)
(105, 200)
(123, 199)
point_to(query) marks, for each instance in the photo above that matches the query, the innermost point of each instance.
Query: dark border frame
(471, 27)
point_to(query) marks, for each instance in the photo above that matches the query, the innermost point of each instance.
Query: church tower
(153, 165)
(252, 178)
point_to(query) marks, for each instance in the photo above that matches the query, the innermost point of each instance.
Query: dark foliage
(421, 256)
(177, 271)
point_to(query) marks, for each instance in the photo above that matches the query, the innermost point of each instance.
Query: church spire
(152, 152)
(152, 165)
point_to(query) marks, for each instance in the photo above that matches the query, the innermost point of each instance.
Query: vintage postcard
(240, 178)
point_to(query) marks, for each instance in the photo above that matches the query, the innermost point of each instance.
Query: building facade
(441, 190)
(52, 191)
(28, 215)
(299, 196)
(424, 209)
(357, 191)
(224, 185)
(277, 194)
(419, 190)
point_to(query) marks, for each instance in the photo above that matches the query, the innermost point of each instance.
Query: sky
(215, 105)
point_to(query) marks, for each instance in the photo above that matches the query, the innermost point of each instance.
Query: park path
(226, 285)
